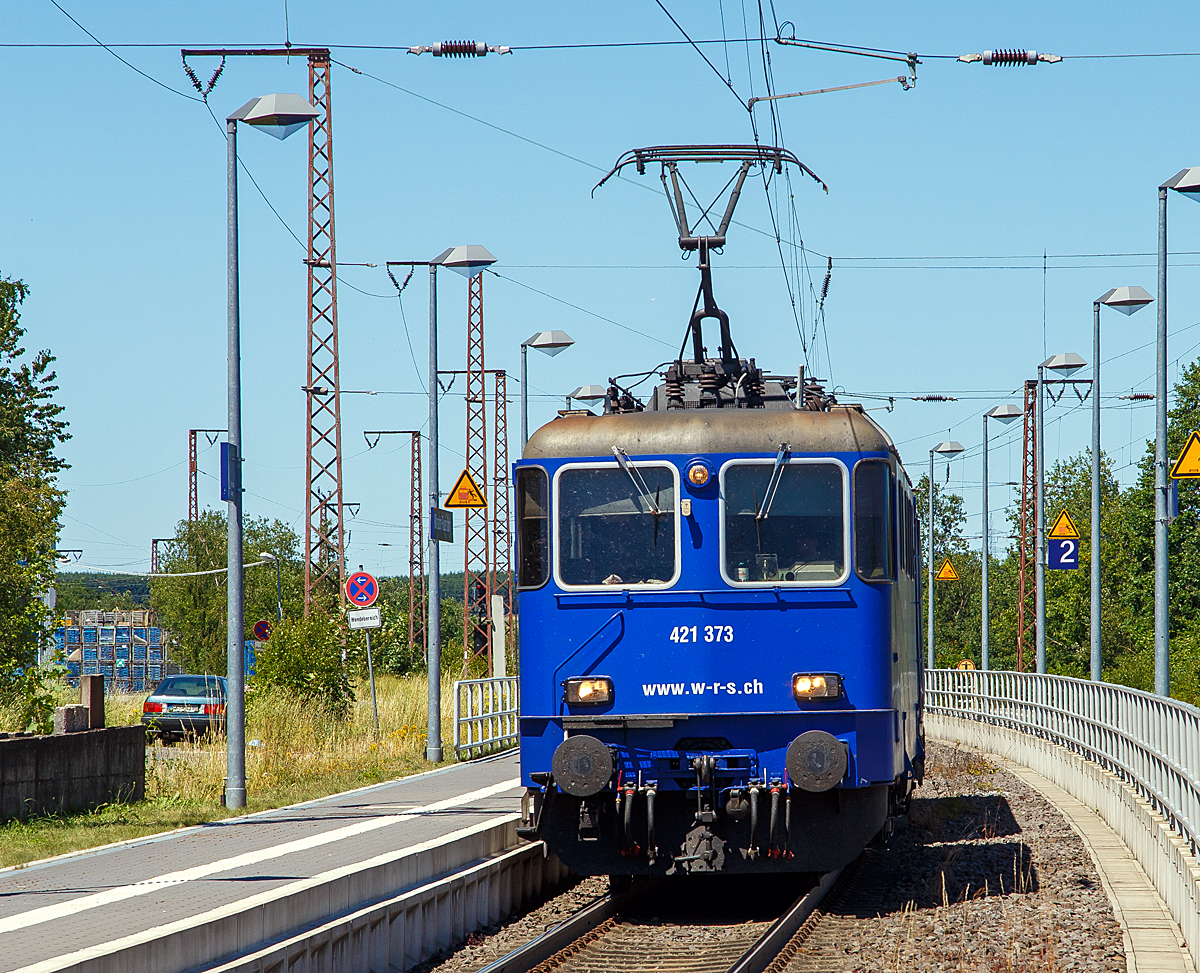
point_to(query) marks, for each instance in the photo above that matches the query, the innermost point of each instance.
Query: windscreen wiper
(773, 484)
(638, 481)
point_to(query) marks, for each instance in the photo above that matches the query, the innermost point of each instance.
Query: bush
(304, 657)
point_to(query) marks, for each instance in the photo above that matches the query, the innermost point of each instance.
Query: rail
(1150, 743)
(486, 715)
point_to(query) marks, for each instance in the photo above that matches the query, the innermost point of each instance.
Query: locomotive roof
(843, 429)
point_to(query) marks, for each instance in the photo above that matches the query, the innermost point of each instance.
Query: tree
(195, 608)
(956, 608)
(304, 657)
(30, 505)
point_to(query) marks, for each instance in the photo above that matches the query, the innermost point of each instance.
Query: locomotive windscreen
(617, 527)
(802, 535)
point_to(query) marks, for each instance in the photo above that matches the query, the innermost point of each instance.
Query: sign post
(361, 590)
(1062, 549)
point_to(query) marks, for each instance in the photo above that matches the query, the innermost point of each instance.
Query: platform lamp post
(1126, 300)
(1066, 364)
(279, 115)
(1002, 413)
(468, 261)
(268, 556)
(1187, 183)
(950, 448)
(549, 343)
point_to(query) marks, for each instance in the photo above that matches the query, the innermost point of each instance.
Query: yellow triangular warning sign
(1064, 528)
(947, 573)
(1187, 467)
(465, 493)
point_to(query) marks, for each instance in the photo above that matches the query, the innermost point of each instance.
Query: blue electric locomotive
(719, 624)
(720, 661)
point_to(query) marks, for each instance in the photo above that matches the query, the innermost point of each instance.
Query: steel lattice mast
(501, 525)
(324, 540)
(1025, 543)
(193, 470)
(418, 634)
(476, 548)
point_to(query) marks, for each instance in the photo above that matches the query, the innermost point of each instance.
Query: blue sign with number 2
(1063, 554)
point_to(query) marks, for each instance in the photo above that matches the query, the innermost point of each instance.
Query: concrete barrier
(387, 913)
(71, 771)
(1163, 854)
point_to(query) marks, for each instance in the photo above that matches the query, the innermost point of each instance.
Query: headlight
(816, 685)
(588, 690)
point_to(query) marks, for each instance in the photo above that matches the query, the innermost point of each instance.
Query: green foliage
(195, 608)
(80, 591)
(1126, 579)
(304, 657)
(30, 505)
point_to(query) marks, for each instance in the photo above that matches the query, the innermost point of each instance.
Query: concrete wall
(48, 774)
(1163, 855)
(383, 915)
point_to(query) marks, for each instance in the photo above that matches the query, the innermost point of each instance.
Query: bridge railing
(1152, 744)
(486, 715)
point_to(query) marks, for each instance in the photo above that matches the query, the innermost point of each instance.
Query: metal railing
(1152, 744)
(486, 715)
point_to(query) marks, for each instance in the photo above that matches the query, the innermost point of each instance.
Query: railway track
(739, 927)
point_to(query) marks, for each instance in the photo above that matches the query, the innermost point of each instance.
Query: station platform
(104, 908)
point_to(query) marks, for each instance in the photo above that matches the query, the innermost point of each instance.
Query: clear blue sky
(113, 211)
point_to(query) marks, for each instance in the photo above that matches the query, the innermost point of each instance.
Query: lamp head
(267, 556)
(589, 393)
(278, 115)
(468, 261)
(1185, 182)
(1125, 299)
(549, 342)
(948, 448)
(1066, 364)
(1005, 413)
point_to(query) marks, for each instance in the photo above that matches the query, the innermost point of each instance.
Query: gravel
(986, 875)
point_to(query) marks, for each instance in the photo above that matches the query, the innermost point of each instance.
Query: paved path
(1152, 940)
(62, 905)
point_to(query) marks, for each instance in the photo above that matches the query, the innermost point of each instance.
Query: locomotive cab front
(719, 645)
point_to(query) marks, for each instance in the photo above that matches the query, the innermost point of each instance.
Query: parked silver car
(186, 704)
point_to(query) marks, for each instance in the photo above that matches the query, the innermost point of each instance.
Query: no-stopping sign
(361, 589)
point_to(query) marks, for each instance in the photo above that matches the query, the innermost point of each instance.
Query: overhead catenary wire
(830, 46)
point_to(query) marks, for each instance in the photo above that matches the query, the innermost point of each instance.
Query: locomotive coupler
(706, 788)
(625, 812)
(589, 819)
(651, 843)
(752, 851)
(773, 833)
(737, 808)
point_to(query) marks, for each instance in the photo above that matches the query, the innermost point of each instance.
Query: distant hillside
(79, 591)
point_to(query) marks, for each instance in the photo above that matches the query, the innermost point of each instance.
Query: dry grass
(298, 752)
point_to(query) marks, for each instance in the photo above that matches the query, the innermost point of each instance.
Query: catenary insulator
(459, 49)
(1014, 57)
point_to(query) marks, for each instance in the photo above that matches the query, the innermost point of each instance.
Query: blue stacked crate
(60, 640)
(153, 672)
